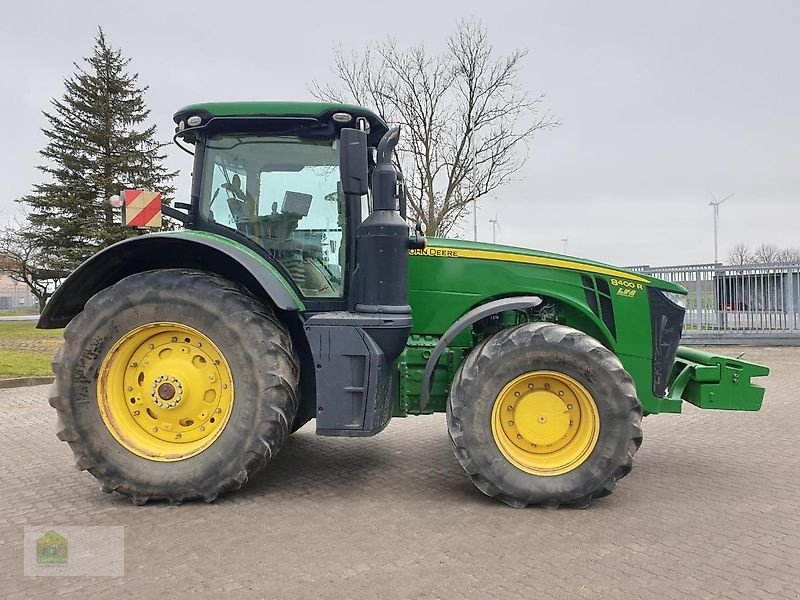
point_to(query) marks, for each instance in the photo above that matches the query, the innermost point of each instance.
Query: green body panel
(451, 277)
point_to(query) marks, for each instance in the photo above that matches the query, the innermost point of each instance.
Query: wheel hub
(541, 417)
(545, 422)
(167, 394)
(165, 391)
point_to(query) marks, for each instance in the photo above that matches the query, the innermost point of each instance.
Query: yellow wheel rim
(545, 423)
(165, 391)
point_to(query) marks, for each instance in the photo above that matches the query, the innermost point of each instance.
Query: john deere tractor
(297, 291)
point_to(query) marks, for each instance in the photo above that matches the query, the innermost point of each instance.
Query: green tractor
(190, 356)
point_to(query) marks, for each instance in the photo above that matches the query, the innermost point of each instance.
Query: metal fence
(755, 304)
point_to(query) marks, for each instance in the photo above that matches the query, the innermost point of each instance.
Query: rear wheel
(160, 397)
(544, 414)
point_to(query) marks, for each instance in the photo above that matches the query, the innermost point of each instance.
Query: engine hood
(478, 250)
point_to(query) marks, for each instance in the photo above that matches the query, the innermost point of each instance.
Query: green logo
(51, 549)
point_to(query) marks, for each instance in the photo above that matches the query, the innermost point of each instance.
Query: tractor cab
(273, 182)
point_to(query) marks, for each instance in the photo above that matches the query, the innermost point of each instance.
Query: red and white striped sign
(141, 209)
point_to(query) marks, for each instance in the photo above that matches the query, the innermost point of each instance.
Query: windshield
(283, 193)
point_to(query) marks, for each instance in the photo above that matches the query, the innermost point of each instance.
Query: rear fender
(185, 249)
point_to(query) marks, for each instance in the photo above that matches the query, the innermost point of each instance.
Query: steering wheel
(241, 204)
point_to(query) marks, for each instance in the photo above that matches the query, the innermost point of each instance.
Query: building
(15, 296)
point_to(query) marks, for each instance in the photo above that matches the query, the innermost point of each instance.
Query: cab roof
(321, 111)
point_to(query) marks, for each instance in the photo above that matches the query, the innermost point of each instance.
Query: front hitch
(717, 382)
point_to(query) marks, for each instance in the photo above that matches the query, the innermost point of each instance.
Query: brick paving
(710, 511)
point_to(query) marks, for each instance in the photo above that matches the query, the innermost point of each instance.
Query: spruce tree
(98, 143)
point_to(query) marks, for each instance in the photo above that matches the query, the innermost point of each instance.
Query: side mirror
(353, 161)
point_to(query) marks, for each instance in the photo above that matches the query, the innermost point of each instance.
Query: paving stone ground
(710, 511)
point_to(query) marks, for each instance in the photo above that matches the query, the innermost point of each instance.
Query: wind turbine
(495, 226)
(715, 203)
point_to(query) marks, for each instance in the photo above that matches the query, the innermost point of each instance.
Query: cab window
(283, 193)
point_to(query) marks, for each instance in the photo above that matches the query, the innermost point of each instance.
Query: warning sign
(141, 209)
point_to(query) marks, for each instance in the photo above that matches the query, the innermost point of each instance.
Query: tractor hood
(479, 250)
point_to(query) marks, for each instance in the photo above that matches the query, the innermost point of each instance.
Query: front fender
(183, 249)
(476, 314)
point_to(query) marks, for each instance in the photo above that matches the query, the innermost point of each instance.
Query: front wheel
(174, 384)
(544, 414)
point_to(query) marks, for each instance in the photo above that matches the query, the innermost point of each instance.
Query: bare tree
(23, 261)
(466, 120)
(767, 253)
(789, 255)
(740, 254)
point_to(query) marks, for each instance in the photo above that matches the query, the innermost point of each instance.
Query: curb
(16, 382)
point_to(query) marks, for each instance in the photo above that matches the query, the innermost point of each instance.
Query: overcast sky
(662, 103)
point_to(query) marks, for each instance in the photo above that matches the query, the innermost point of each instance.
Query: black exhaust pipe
(382, 241)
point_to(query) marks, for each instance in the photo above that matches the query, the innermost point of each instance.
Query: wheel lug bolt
(155, 429)
(218, 410)
(569, 406)
(530, 386)
(130, 388)
(516, 394)
(560, 393)
(134, 365)
(202, 427)
(511, 423)
(519, 437)
(178, 436)
(135, 413)
(224, 386)
(151, 346)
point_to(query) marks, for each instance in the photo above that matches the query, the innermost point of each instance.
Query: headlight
(675, 298)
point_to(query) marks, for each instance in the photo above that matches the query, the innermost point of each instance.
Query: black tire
(543, 346)
(262, 363)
